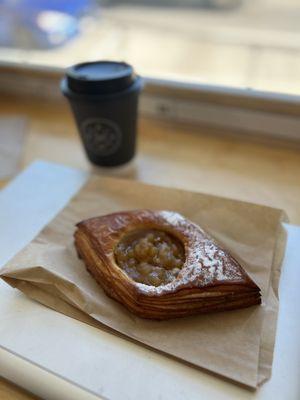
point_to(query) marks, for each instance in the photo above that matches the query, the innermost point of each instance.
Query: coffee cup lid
(100, 77)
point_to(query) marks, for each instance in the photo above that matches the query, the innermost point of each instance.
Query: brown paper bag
(237, 344)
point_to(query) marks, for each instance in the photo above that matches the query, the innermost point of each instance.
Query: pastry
(160, 265)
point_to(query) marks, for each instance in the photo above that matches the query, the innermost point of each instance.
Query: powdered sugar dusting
(172, 217)
(206, 263)
(212, 264)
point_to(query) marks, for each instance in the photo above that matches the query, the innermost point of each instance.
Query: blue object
(40, 24)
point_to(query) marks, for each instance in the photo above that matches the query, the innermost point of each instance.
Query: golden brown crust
(210, 280)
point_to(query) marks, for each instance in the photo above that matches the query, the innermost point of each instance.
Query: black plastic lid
(100, 77)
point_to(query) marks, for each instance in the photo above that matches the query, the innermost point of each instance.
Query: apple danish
(160, 265)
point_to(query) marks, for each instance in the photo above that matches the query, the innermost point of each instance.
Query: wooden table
(179, 156)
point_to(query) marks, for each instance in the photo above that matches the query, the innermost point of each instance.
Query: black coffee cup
(104, 98)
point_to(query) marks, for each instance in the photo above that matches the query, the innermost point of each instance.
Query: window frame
(241, 111)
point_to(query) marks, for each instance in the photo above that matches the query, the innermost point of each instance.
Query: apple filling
(152, 257)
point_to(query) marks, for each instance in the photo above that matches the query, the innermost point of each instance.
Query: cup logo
(101, 136)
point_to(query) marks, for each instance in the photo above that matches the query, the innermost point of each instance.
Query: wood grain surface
(178, 156)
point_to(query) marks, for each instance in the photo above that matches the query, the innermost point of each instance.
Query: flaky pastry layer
(210, 279)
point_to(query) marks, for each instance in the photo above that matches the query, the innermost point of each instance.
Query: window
(237, 43)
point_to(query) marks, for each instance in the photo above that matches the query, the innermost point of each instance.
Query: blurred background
(240, 43)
